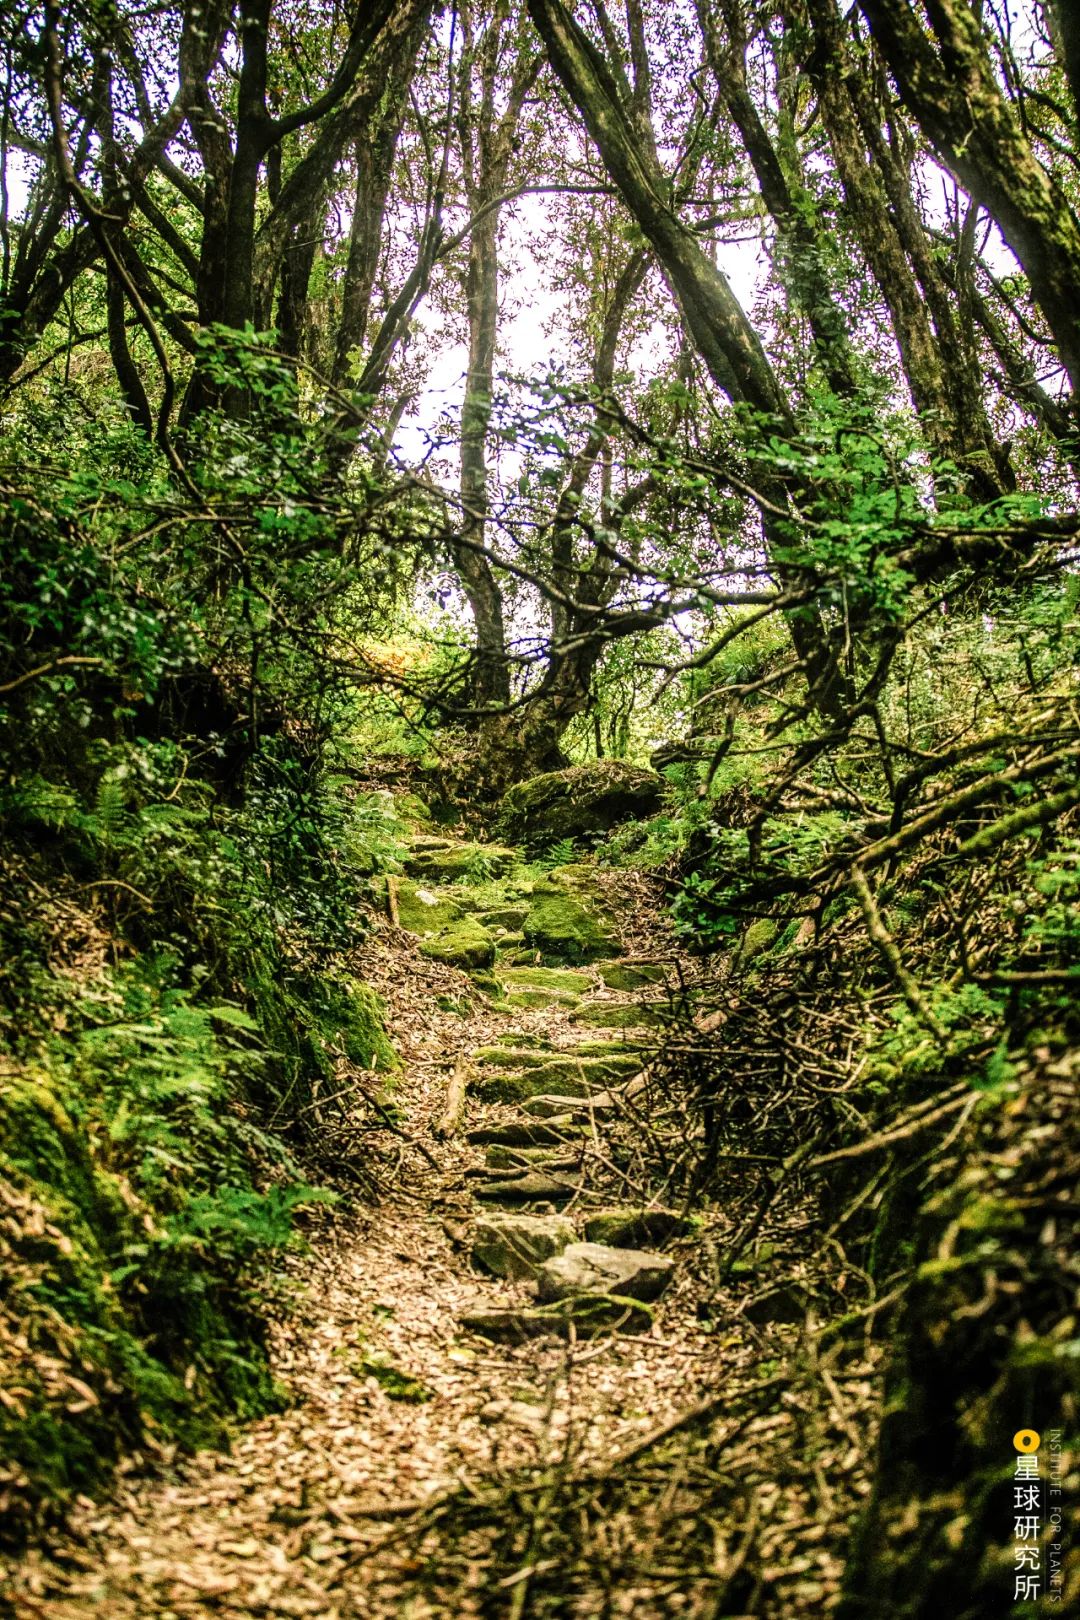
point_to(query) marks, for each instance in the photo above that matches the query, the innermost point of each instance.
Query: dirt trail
(395, 1403)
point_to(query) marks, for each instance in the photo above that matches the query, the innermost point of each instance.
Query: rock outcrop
(582, 802)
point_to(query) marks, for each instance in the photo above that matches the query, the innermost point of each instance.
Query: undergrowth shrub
(180, 872)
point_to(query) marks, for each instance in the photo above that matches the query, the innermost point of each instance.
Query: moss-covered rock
(352, 1018)
(617, 1015)
(412, 810)
(486, 982)
(521, 1085)
(537, 1000)
(567, 1075)
(756, 940)
(538, 987)
(570, 980)
(563, 929)
(508, 917)
(460, 863)
(501, 1156)
(463, 944)
(581, 802)
(635, 1229)
(631, 975)
(517, 1245)
(597, 1070)
(517, 1056)
(423, 911)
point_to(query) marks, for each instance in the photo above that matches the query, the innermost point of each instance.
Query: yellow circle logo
(1026, 1440)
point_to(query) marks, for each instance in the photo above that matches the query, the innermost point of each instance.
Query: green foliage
(179, 892)
(132, 1250)
(561, 853)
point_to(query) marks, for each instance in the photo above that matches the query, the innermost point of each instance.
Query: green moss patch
(617, 1015)
(562, 929)
(631, 975)
(423, 911)
(464, 944)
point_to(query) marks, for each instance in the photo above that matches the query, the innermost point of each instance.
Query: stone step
(558, 1107)
(515, 1245)
(509, 918)
(462, 944)
(588, 1269)
(501, 1156)
(620, 1015)
(518, 1039)
(425, 911)
(590, 1318)
(533, 1187)
(632, 975)
(562, 929)
(634, 1228)
(538, 1000)
(567, 1077)
(545, 1159)
(593, 1058)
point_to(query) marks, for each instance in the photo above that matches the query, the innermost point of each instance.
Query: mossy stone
(422, 911)
(523, 1086)
(508, 917)
(562, 929)
(532, 988)
(558, 1071)
(566, 1076)
(361, 1030)
(517, 1245)
(757, 939)
(486, 982)
(616, 1015)
(537, 1000)
(582, 801)
(463, 944)
(635, 1229)
(500, 1156)
(512, 1057)
(460, 863)
(411, 809)
(631, 975)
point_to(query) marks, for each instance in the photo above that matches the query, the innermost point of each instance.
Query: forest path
(320, 1510)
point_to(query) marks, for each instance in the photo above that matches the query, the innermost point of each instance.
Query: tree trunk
(949, 86)
(724, 337)
(490, 675)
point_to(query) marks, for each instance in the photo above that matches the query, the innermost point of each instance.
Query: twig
(449, 1121)
(875, 927)
(44, 669)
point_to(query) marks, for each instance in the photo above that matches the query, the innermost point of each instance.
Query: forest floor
(421, 1468)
